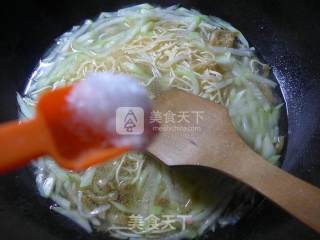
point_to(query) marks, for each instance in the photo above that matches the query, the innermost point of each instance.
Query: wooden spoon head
(204, 136)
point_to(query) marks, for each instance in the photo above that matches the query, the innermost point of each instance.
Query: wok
(286, 35)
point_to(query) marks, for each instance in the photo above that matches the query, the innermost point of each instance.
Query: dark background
(285, 33)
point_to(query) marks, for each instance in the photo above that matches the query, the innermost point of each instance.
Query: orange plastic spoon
(53, 132)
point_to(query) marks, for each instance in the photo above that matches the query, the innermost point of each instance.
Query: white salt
(96, 99)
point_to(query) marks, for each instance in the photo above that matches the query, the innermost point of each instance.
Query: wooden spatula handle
(294, 195)
(20, 142)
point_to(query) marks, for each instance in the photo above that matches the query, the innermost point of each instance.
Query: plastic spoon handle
(20, 142)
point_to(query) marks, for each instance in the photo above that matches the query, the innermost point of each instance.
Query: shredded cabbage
(163, 48)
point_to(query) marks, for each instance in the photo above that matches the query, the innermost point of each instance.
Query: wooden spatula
(213, 142)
